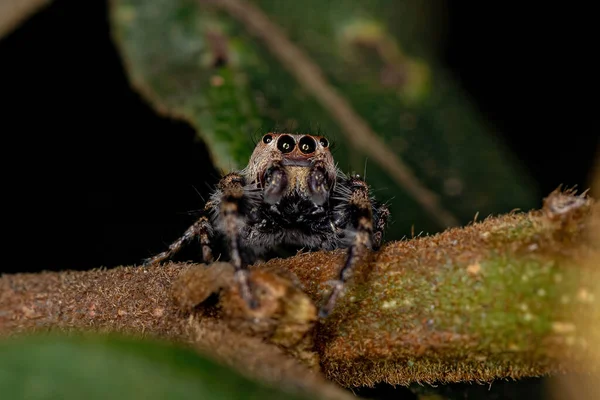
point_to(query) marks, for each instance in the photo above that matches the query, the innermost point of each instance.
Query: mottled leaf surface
(205, 63)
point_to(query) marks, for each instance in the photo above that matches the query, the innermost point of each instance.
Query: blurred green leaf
(98, 367)
(362, 72)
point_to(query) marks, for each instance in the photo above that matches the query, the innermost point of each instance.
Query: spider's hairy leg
(231, 196)
(360, 209)
(201, 229)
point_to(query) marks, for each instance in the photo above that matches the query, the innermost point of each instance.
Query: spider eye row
(286, 143)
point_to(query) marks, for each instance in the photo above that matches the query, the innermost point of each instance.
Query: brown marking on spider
(291, 195)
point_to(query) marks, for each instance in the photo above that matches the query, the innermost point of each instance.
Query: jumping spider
(291, 193)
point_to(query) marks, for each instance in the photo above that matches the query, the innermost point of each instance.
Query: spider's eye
(324, 142)
(267, 139)
(307, 145)
(286, 143)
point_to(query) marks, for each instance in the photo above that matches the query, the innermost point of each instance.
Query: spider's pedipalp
(318, 184)
(275, 182)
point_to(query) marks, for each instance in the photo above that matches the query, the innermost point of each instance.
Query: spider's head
(291, 150)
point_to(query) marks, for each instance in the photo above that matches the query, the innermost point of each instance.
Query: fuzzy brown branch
(139, 301)
(496, 299)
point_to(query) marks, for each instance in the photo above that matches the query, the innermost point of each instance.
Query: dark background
(93, 177)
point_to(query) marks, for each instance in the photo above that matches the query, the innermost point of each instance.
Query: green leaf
(237, 69)
(103, 367)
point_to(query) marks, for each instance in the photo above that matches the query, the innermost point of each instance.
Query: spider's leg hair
(256, 135)
(199, 194)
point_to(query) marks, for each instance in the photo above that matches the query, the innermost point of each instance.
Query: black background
(93, 177)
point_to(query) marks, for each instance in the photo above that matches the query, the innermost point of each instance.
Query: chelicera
(290, 194)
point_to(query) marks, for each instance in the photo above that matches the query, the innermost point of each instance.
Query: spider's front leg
(201, 229)
(231, 196)
(367, 234)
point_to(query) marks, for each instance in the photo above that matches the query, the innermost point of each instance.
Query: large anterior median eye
(285, 143)
(307, 145)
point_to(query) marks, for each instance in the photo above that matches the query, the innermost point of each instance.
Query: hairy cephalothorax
(290, 194)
